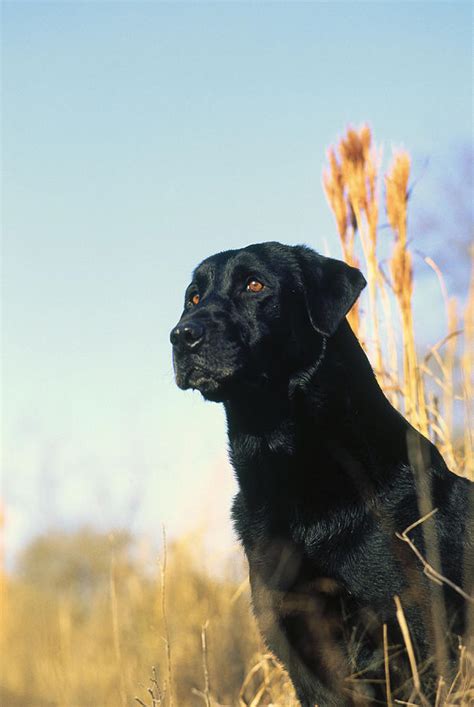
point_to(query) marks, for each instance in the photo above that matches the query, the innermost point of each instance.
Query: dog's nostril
(189, 335)
(193, 333)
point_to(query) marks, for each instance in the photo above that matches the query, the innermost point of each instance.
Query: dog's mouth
(201, 380)
(212, 386)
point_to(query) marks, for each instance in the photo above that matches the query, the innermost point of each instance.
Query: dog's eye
(195, 299)
(254, 286)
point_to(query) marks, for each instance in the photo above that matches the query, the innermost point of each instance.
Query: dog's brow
(238, 268)
(204, 274)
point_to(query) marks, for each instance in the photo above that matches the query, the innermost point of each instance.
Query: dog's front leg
(298, 634)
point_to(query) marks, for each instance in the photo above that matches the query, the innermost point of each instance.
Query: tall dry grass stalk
(427, 387)
(351, 186)
(164, 615)
(359, 174)
(334, 186)
(116, 630)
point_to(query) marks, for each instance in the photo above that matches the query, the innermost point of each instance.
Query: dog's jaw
(213, 388)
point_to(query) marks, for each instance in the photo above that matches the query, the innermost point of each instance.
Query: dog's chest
(277, 546)
(287, 553)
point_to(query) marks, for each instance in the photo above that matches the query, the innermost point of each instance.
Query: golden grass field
(97, 620)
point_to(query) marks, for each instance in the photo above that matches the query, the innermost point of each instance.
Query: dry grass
(124, 629)
(428, 386)
(192, 634)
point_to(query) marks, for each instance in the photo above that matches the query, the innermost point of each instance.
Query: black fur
(329, 473)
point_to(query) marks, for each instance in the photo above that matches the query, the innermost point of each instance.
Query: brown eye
(195, 299)
(254, 286)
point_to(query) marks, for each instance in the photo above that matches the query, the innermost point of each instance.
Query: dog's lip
(197, 378)
(196, 375)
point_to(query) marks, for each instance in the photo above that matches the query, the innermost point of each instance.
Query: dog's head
(252, 315)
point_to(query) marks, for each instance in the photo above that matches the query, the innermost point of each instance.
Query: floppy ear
(330, 288)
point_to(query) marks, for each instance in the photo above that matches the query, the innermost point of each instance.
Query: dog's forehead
(257, 257)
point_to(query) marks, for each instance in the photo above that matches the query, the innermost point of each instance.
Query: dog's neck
(334, 406)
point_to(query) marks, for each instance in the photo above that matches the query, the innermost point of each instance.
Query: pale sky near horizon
(138, 138)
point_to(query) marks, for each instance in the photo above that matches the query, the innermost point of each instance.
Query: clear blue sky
(137, 139)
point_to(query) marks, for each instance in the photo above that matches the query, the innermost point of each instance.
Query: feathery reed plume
(359, 173)
(396, 194)
(333, 184)
(350, 183)
(335, 190)
(354, 149)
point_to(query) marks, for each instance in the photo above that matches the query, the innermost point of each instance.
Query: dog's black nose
(189, 335)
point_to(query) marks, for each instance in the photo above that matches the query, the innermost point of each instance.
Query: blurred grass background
(94, 619)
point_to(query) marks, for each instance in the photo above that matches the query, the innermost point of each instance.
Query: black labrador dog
(330, 476)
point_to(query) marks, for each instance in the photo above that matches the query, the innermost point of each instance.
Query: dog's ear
(330, 288)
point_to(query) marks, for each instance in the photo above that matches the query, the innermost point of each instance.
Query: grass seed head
(396, 192)
(333, 183)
